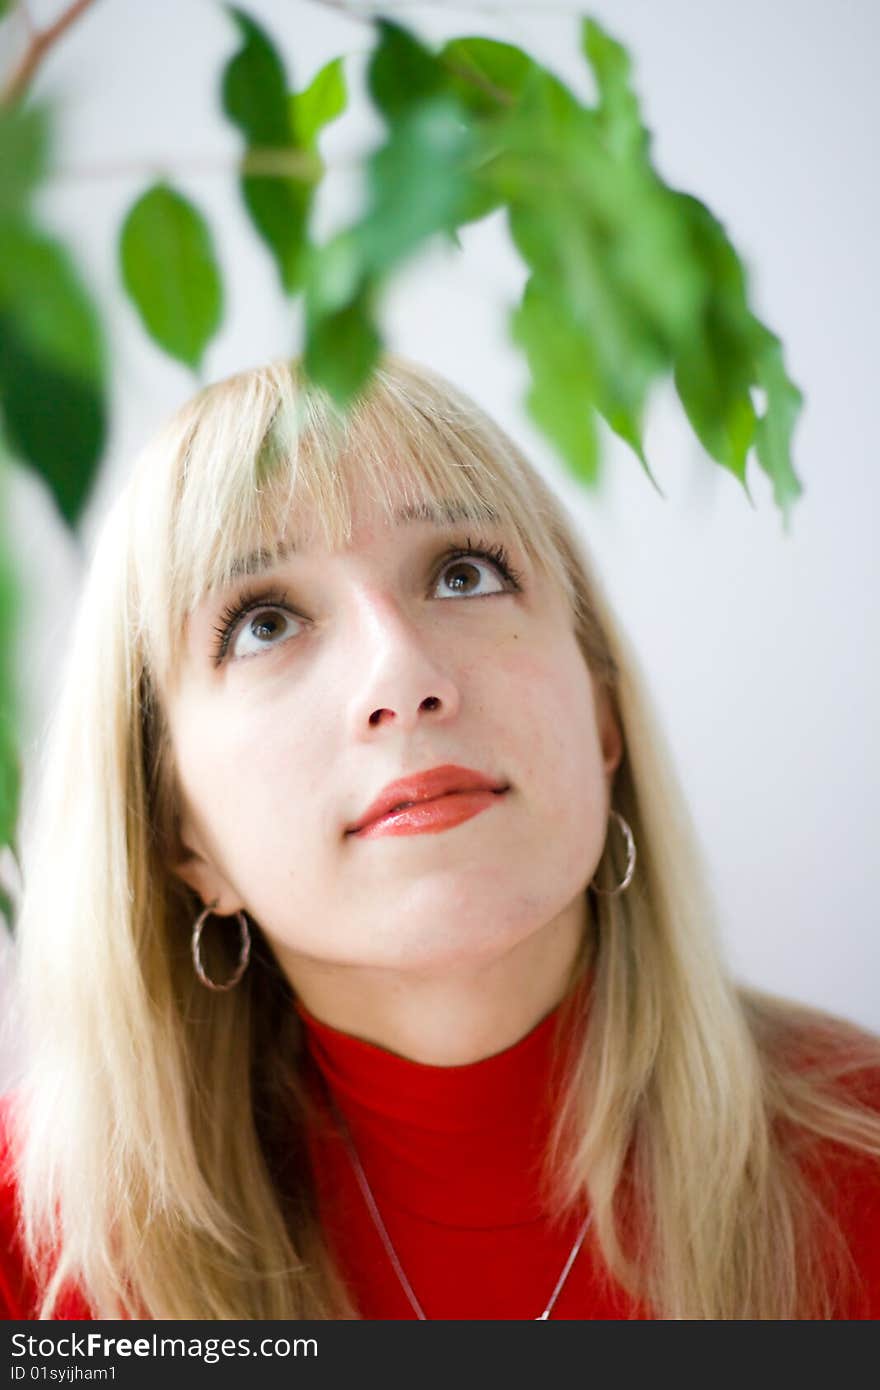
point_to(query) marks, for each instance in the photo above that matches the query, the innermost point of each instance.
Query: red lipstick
(428, 802)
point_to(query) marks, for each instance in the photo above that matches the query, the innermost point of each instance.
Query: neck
(455, 1016)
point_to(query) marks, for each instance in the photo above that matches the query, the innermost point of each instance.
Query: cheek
(246, 776)
(549, 699)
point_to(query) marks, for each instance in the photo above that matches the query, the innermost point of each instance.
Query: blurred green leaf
(416, 187)
(337, 275)
(24, 149)
(775, 427)
(723, 417)
(403, 73)
(560, 244)
(487, 77)
(322, 101)
(647, 276)
(416, 182)
(588, 250)
(279, 209)
(562, 394)
(343, 347)
(255, 98)
(41, 289)
(7, 909)
(255, 87)
(629, 280)
(714, 365)
(171, 274)
(485, 74)
(618, 111)
(51, 364)
(53, 420)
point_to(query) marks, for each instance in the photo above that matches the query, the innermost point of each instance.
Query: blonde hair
(161, 1128)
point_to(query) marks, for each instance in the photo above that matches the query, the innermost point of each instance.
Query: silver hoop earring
(630, 861)
(244, 954)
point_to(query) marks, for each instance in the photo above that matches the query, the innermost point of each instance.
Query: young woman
(366, 963)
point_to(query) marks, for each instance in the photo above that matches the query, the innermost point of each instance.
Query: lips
(425, 786)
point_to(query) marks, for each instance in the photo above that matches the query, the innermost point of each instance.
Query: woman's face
(351, 669)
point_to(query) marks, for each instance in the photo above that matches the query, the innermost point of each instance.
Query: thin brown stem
(41, 40)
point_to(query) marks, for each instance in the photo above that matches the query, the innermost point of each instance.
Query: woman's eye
(465, 577)
(262, 628)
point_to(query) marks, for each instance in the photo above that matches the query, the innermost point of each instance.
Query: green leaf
(714, 366)
(279, 210)
(629, 281)
(255, 87)
(7, 910)
(24, 149)
(561, 244)
(171, 274)
(322, 101)
(415, 186)
(561, 397)
(717, 404)
(608, 240)
(643, 270)
(485, 75)
(403, 73)
(52, 419)
(40, 288)
(618, 111)
(342, 349)
(416, 183)
(255, 99)
(487, 78)
(337, 274)
(775, 427)
(51, 365)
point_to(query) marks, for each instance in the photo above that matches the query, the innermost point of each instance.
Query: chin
(447, 941)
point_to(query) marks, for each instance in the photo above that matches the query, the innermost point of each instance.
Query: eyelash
(250, 599)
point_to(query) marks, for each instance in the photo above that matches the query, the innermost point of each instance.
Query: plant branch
(41, 40)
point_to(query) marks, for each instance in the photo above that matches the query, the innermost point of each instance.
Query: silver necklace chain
(386, 1239)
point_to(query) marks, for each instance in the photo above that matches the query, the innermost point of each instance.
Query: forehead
(305, 534)
(319, 500)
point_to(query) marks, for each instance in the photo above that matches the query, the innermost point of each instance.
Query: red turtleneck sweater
(451, 1155)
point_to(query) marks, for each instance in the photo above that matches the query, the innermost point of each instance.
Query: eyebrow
(439, 514)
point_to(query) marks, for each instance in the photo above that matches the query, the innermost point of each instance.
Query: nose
(399, 678)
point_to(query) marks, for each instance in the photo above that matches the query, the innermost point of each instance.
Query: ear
(201, 874)
(610, 734)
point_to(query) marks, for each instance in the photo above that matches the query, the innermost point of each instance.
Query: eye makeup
(250, 598)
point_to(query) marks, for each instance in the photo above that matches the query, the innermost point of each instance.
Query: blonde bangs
(266, 459)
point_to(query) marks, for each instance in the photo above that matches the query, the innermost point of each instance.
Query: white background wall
(761, 649)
